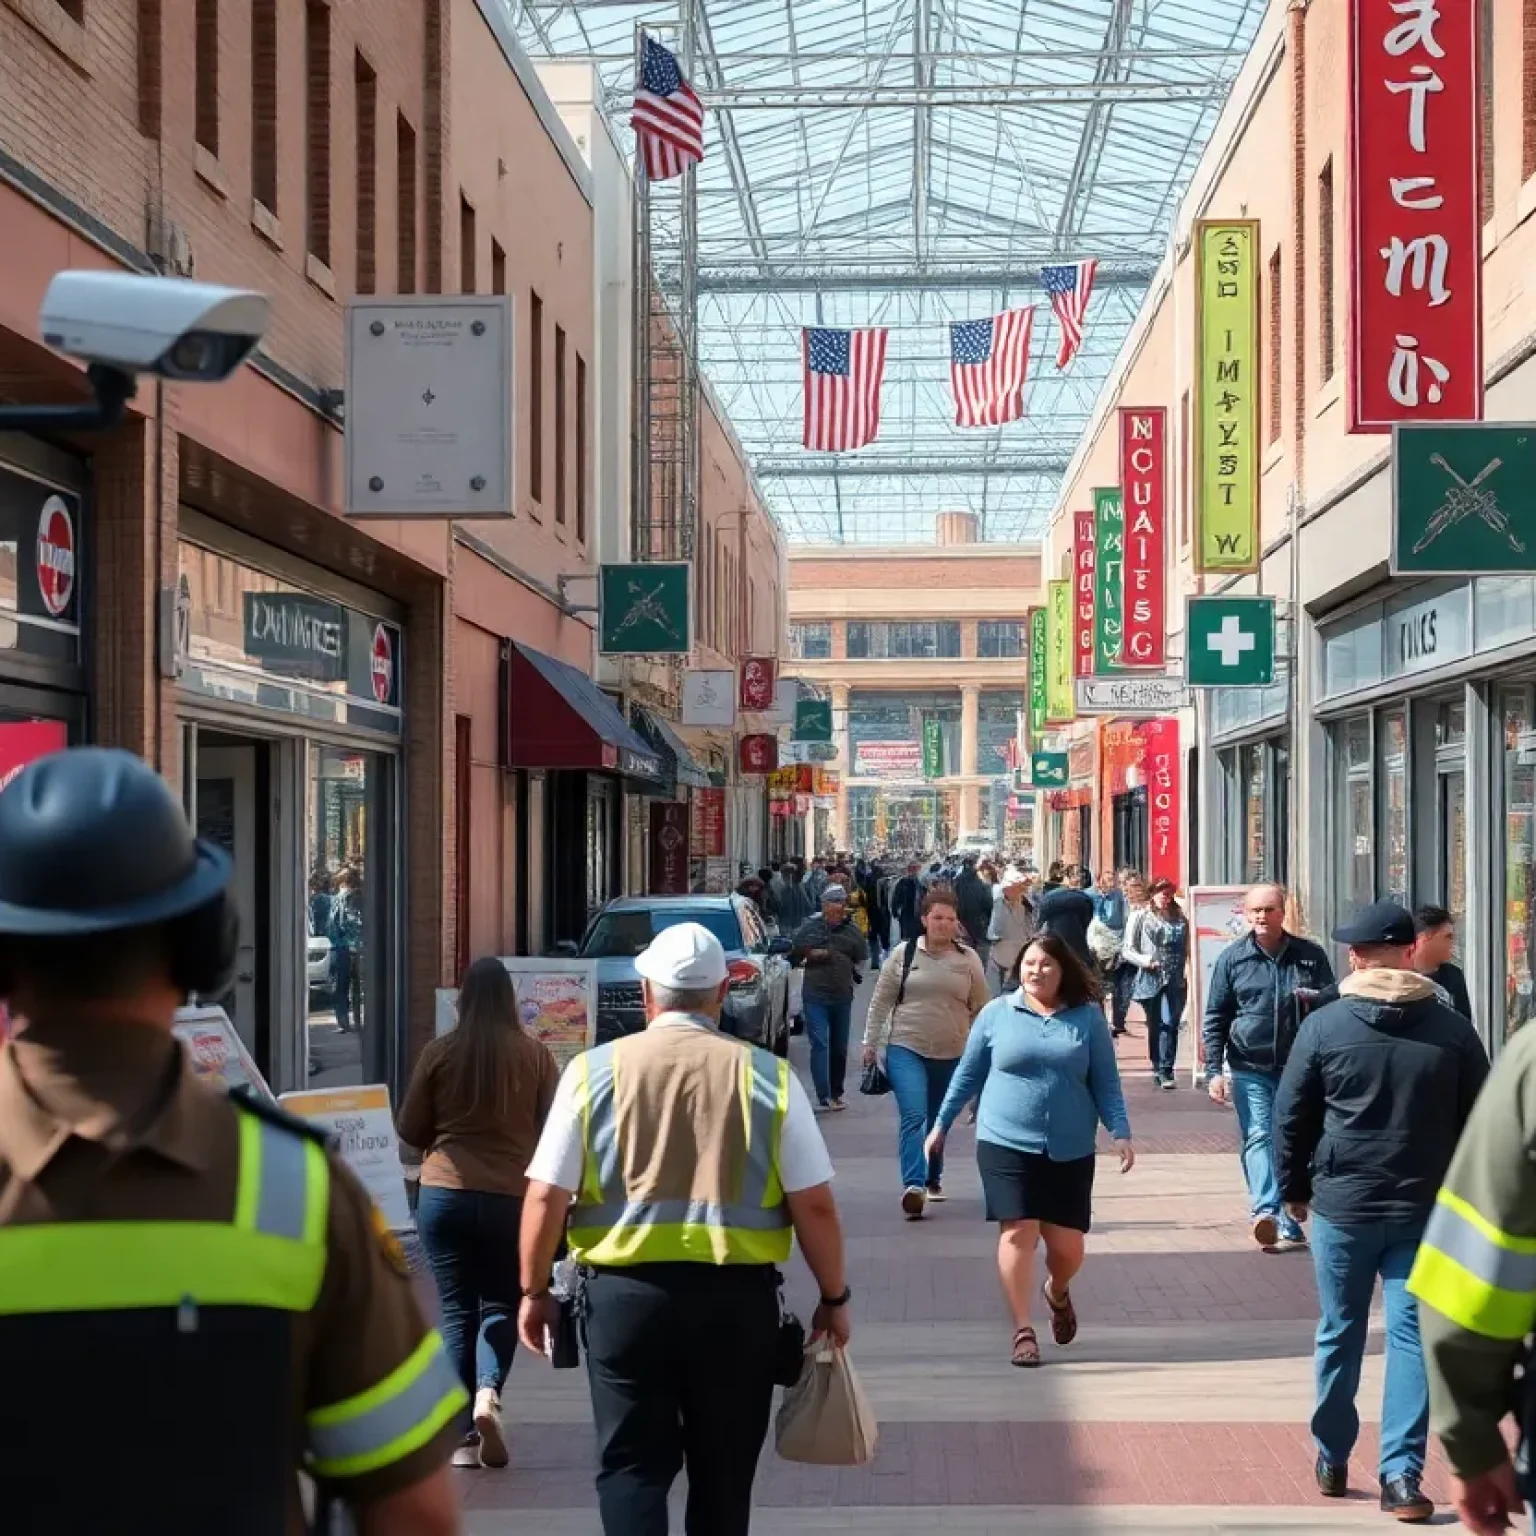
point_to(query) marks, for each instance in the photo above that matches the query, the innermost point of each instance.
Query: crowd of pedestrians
(1001, 994)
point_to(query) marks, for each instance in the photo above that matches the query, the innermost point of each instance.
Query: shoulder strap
(275, 1115)
(908, 955)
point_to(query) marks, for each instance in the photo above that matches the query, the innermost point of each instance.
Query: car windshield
(624, 933)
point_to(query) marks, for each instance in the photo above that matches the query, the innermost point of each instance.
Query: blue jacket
(1046, 1080)
(1251, 1012)
(1110, 908)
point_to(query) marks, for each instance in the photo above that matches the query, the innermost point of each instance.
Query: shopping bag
(874, 1082)
(825, 1419)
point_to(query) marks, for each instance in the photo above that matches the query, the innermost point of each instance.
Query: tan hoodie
(1397, 987)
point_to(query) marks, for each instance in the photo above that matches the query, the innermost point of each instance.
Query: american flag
(1070, 288)
(668, 118)
(843, 370)
(988, 365)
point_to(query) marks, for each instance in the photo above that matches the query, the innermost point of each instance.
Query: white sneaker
(493, 1443)
(914, 1201)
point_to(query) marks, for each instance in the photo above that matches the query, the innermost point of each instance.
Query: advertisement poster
(363, 1126)
(1143, 447)
(888, 760)
(216, 1051)
(24, 741)
(1058, 673)
(1108, 574)
(557, 1000)
(669, 848)
(1216, 920)
(1416, 219)
(1227, 355)
(709, 823)
(1084, 551)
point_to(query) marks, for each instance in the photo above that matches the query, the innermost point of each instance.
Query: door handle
(245, 966)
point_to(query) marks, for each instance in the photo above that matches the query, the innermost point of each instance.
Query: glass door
(1519, 855)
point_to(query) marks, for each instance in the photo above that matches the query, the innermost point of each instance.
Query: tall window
(205, 90)
(581, 449)
(904, 640)
(1489, 137)
(1325, 325)
(559, 424)
(264, 103)
(999, 637)
(810, 642)
(535, 396)
(498, 268)
(468, 274)
(1275, 353)
(317, 129)
(366, 97)
(405, 206)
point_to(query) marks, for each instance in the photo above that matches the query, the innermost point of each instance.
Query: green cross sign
(643, 609)
(1229, 642)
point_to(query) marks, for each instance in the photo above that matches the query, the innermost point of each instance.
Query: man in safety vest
(201, 1259)
(686, 1161)
(1476, 1279)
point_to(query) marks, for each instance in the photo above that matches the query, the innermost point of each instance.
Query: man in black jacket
(1066, 911)
(975, 898)
(1432, 952)
(906, 898)
(1260, 986)
(1377, 1089)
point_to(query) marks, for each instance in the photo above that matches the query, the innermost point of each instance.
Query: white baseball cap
(686, 957)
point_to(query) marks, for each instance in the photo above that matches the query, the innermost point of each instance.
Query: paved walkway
(1181, 1408)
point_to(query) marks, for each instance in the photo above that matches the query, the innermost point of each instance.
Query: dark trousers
(471, 1242)
(680, 1358)
(348, 981)
(1163, 1010)
(1121, 981)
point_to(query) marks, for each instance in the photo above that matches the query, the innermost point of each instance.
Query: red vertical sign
(709, 823)
(669, 848)
(1416, 218)
(1161, 762)
(1143, 460)
(759, 680)
(1082, 593)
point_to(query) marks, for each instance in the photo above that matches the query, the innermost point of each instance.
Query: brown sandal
(1026, 1347)
(1063, 1315)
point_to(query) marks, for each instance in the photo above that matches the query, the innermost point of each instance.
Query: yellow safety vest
(1467, 1269)
(623, 1215)
(270, 1255)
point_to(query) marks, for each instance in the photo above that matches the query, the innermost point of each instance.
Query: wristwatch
(838, 1301)
(537, 1292)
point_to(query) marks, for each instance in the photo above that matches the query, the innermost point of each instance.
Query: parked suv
(757, 1005)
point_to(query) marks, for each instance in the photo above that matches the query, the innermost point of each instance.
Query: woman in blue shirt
(1044, 1064)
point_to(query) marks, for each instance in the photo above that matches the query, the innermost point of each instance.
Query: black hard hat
(92, 840)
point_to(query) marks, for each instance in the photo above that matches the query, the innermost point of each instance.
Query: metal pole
(688, 317)
(640, 362)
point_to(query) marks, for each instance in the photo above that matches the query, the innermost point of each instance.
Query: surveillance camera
(197, 332)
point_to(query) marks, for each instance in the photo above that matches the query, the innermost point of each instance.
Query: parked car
(757, 1005)
(319, 966)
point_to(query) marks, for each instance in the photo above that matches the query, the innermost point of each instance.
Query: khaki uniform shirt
(109, 1123)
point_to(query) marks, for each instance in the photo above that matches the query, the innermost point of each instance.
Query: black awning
(557, 717)
(677, 762)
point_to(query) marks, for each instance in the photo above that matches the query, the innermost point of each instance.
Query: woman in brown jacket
(475, 1108)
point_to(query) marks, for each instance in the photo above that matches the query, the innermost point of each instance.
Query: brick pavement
(1182, 1407)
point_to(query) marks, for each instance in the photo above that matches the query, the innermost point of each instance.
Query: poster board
(1216, 920)
(217, 1053)
(362, 1123)
(557, 1000)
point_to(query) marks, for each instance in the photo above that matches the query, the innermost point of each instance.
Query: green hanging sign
(933, 749)
(1108, 579)
(813, 720)
(1035, 716)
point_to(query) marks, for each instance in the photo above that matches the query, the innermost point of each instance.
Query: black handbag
(789, 1349)
(873, 1081)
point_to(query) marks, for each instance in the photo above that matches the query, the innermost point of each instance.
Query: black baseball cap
(1383, 922)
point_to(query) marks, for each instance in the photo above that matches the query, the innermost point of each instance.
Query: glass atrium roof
(907, 163)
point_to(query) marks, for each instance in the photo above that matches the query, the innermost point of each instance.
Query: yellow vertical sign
(1228, 351)
(1059, 708)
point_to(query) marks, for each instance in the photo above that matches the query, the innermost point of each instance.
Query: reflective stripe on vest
(609, 1226)
(390, 1420)
(1469, 1271)
(271, 1254)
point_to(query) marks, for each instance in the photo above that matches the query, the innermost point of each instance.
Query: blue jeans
(1163, 1010)
(471, 1242)
(1253, 1097)
(919, 1084)
(827, 1021)
(1347, 1261)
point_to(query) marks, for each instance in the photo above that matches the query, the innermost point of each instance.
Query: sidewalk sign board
(217, 1053)
(363, 1125)
(556, 998)
(1216, 920)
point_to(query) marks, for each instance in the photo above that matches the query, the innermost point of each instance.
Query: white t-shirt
(803, 1158)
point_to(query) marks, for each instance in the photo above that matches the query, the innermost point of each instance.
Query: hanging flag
(1070, 288)
(988, 367)
(668, 118)
(1142, 476)
(843, 370)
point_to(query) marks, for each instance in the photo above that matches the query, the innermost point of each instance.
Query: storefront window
(1519, 856)
(1392, 744)
(1251, 784)
(1280, 838)
(346, 918)
(1355, 826)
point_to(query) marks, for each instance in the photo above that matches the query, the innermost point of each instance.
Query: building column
(843, 763)
(970, 794)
